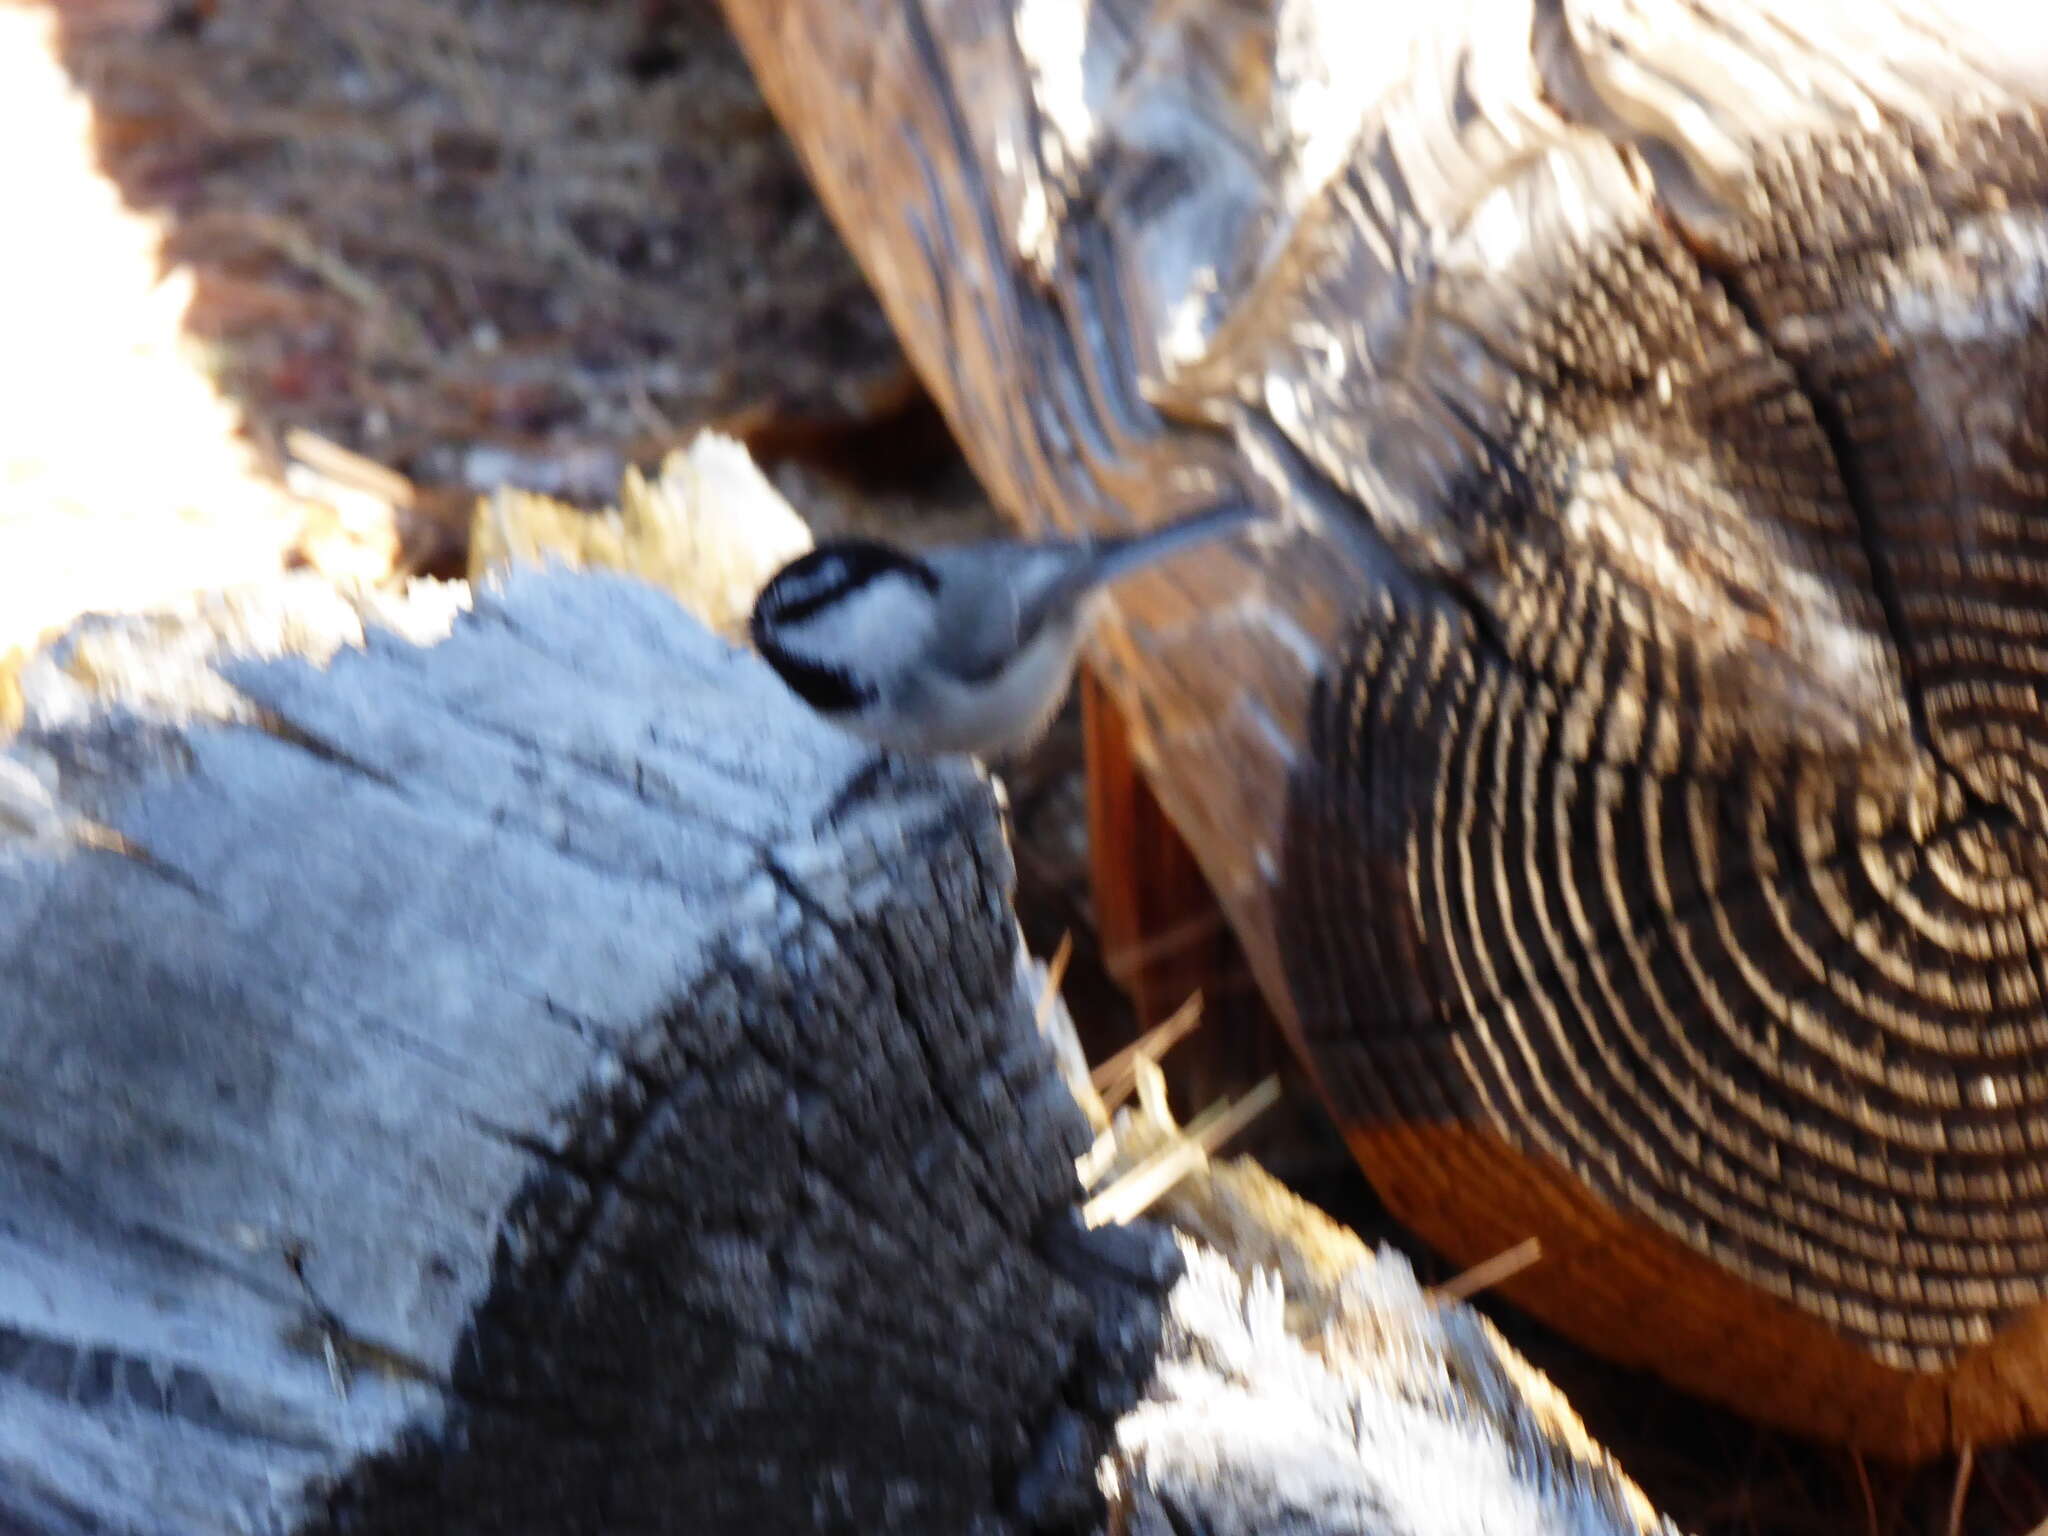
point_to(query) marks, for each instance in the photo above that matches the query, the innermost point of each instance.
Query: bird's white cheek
(877, 630)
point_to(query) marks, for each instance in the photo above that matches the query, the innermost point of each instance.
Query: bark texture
(536, 1080)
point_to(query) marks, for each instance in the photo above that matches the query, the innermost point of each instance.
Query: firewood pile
(476, 288)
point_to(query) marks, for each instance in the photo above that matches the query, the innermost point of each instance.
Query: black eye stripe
(825, 575)
(829, 690)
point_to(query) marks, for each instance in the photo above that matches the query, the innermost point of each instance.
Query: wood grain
(1628, 748)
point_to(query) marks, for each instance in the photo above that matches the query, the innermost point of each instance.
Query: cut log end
(1628, 750)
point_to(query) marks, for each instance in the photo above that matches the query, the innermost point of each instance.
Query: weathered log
(1626, 774)
(539, 1081)
(536, 1082)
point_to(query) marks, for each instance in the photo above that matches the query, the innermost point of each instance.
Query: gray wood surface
(534, 1081)
(1391, 1414)
(1307, 1385)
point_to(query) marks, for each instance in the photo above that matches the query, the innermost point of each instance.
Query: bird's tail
(1117, 558)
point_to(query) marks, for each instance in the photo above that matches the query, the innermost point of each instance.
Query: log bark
(537, 1080)
(1624, 767)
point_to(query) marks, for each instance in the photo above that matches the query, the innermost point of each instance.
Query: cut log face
(542, 1081)
(1625, 763)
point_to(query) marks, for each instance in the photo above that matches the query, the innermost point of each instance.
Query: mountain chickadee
(963, 649)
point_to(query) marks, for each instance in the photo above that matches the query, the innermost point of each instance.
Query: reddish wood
(1162, 932)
